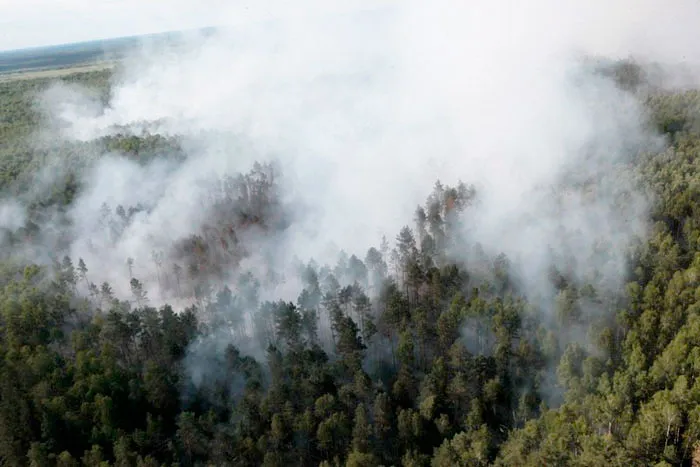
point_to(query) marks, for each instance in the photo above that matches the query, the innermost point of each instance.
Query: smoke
(362, 109)
(12, 216)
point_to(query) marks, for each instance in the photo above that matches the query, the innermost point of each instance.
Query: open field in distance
(53, 73)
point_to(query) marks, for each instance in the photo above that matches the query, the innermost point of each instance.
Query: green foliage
(401, 359)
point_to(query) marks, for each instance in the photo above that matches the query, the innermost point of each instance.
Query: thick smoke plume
(361, 110)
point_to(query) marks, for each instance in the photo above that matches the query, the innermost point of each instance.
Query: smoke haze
(363, 109)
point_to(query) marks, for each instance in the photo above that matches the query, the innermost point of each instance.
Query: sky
(32, 23)
(35, 23)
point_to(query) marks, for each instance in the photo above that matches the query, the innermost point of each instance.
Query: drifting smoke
(12, 216)
(362, 110)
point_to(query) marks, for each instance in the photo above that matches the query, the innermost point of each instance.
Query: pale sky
(29, 23)
(32, 23)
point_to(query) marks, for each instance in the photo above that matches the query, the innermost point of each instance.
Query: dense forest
(397, 356)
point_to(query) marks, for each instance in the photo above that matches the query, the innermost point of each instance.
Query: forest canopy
(404, 354)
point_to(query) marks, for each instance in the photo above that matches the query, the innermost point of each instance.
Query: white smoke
(12, 215)
(364, 108)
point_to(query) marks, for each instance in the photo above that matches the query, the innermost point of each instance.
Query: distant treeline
(70, 55)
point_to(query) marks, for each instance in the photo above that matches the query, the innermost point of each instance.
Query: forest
(397, 356)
